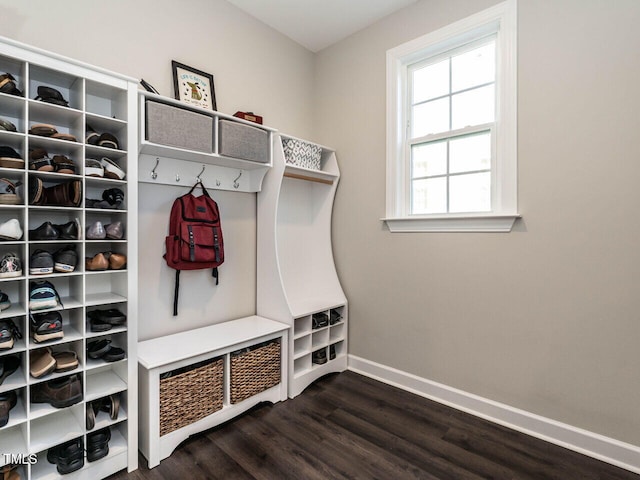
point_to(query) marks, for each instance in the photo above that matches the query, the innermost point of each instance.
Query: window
(451, 146)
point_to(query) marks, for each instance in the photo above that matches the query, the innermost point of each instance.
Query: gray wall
(544, 318)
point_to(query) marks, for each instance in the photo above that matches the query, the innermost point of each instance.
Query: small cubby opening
(320, 338)
(302, 325)
(302, 364)
(301, 345)
(70, 87)
(71, 327)
(12, 109)
(105, 101)
(112, 284)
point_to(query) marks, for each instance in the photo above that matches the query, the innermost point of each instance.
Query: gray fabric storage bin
(179, 127)
(243, 141)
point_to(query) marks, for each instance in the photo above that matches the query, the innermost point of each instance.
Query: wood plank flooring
(349, 426)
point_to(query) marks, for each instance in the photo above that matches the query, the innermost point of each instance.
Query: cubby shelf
(105, 102)
(296, 273)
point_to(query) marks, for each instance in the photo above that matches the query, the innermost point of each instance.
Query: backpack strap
(204, 190)
(175, 294)
(214, 274)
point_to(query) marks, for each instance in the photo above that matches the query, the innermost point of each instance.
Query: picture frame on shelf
(193, 86)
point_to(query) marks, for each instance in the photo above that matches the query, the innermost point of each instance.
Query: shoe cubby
(71, 87)
(55, 427)
(116, 341)
(72, 329)
(105, 103)
(322, 331)
(17, 379)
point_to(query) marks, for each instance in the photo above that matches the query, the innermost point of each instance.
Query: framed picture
(193, 86)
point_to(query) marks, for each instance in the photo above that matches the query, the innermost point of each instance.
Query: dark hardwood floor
(349, 426)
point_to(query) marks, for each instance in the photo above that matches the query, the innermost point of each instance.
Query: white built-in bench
(166, 359)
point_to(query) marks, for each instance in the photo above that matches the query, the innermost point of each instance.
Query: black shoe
(98, 444)
(68, 457)
(319, 357)
(8, 334)
(8, 400)
(41, 263)
(65, 259)
(36, 191)
(334, 317)
(69, 231)
(112, 316)
(332, 352)
(319, 320)
(8, 366)
(46, 231)
(46, 326)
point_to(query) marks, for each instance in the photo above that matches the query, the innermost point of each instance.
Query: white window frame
(501, 20)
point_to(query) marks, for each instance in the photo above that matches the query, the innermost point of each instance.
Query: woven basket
(190, 393)
(254, 370)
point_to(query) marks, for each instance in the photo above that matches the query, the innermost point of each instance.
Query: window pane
(429, 195)
(474, 107)
(473, 68)
(470, 153)
(470, 193)
(431, 117)
(429, 159)
(431, 82)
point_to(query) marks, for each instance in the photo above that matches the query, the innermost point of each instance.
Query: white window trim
(504, 17)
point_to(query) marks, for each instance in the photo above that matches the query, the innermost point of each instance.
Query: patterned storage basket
(301, 154)
(190, 393)
(254, 370)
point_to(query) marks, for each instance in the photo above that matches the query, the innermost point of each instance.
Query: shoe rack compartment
(107, 103)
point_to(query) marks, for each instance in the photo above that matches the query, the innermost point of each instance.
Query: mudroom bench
(194, 380)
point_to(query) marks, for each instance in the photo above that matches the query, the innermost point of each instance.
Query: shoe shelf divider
(105, 102)
(171, 355)
(296, 275)
(163, 163)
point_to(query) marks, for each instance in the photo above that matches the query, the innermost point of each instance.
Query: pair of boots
(69, 456)
(68, 194)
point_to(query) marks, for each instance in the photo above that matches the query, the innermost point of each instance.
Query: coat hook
(218, 183)
(154, 175)
(200, 174)
(177, 177)
(235, 182)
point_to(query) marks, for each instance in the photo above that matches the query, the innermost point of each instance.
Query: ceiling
(316, 24)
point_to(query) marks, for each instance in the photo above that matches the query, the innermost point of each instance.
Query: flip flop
(65, 361)
(8, 365)
(111, 406)
(42, 362)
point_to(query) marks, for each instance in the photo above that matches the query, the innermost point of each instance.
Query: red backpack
(195, 236)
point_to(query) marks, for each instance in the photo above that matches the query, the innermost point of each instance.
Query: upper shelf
(174, 130)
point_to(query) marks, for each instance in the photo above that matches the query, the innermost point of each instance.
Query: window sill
(453, 223)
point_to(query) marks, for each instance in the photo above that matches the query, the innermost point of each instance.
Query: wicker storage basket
(302, 154)
(254, 370)
(190, 393)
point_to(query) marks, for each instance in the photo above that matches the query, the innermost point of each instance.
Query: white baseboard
(594, 445)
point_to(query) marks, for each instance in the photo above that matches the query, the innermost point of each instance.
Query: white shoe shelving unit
(296, 275)
(107, 103)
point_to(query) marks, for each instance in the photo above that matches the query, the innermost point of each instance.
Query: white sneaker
(93, 168)
(10, 230)
(111, 169)
(10, 266)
